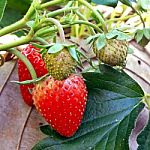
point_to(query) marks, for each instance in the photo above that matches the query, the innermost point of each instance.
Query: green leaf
(145, 4)
(139, 35)
(118, 35)
(130, 50)
(55, 48)
(101, 41)
(112, 108)
(126, 2)
(112, 3)
(144, 138)
(92, 38)
(147, 33)
(14, 11)
(73, 52)
(30, 23)
(2, 8)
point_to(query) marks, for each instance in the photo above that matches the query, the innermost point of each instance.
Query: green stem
(83, 18)
(25, 61)
(33, 81)
(51, 3)
(21, 23)
(59, 11)
(87, 23)
(14, 27)
(21, 41)
(45, 31)
(59, 27)
(139, 16)
(41, 40)
(100, 18)
(42, 32)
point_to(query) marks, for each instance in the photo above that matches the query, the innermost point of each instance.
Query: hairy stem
(59, 11)
(139, 16)
(51, 3)
(21, 41)
(83, 18)
(41, 40)
(87, 23)
(59, 27)
(25, 61)
(100, 18)
(21, 23)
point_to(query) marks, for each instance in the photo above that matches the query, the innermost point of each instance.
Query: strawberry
(61, 103)
(114, 53)
(35, 58)
(61, 64)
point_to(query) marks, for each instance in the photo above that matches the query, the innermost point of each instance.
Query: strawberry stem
(25, 61)
(33, 81)
(22, 23)
(51, 3)
(84, 19)
(100, 18)
(21, 41)
(87, 23)
(59, 27)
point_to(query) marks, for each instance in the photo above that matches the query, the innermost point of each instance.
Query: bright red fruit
(61, 103)
(35, 58)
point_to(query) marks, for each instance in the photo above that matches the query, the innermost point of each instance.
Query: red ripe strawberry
(35, 58)
(61, 103)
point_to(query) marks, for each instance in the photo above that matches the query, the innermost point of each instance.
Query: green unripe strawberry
(60, 64)
(114, 53)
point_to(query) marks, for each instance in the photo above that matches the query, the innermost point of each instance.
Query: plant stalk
(21, 41)
(25, 61)
(100, 18)
(59, 27)
(51, 3)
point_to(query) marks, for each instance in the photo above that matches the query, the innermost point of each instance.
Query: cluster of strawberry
(60, 99)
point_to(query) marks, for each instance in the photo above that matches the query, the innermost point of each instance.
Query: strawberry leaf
(112, 108)
(145, 4)
(73, 52)
(126, 2)
(112, 3)
(147, 33)
(92, 38)
(130, 50)
(139, 35)
(101, 41)
(55, 48)
(118, 35)
(2, 8)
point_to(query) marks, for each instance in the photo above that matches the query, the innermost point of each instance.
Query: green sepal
(146, 32)
(116, 34)
(55, 48)
(31, 81)
(73, 52)
(142, 36)
(130, 50)
(30, 23)
(101, 41)
(91, 39)
(139, 35)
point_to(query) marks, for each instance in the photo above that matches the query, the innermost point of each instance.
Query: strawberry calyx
(61, 59)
